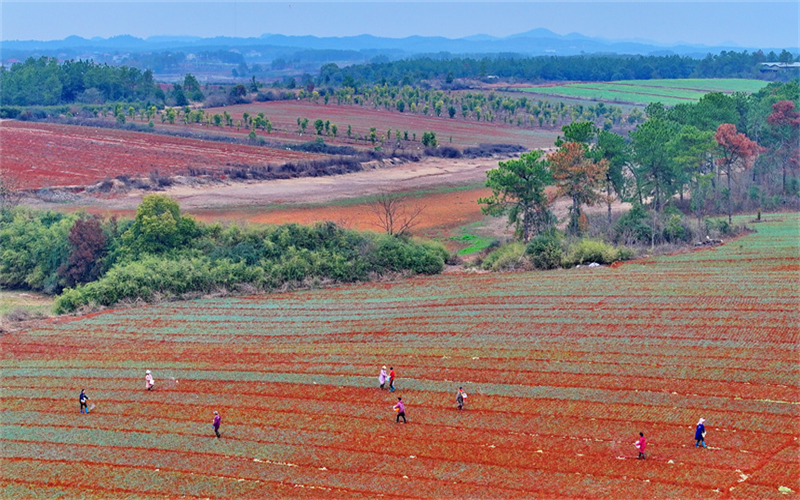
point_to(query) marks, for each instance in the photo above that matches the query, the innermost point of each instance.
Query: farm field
(284, 115)
(47, 155)
(668, 92)
(563, 370)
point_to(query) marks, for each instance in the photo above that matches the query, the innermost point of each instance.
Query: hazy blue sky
(750, 24)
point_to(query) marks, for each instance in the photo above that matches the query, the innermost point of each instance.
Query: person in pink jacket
(216, 424)
(641, 444)
(400, 408)
(149, 383)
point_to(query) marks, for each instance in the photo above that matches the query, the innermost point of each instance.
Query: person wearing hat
(149, 383)
(700, 434)
(217, 422)
(460, 398)
(382, 376)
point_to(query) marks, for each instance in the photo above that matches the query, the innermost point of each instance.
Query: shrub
(586, 251)
(633, 227)
(505, 258)
(545, 251)
(677, 230)
(153, 276)
(394, 253)
(719, 227)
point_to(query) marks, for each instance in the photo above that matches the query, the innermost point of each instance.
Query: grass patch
(474, 243)
(33, 304)
(669, 92)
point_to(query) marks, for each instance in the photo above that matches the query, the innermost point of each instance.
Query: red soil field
(563, 370)
(47, 155)
(440, 211)
(284, 115)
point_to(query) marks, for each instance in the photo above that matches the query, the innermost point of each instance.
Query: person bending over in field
(700, 434)
(82, 399)
(216, 424)
(400, 408)
(149, 383)
(641, 444)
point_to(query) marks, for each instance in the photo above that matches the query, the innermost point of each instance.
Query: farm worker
(460, 397)
(83, 398)
(391, 379)
(641, 444)
(148, 380)
(700, 434)
(217, 421)
(400, 408)
(382, 377)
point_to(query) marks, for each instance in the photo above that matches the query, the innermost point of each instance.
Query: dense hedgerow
(164, 254)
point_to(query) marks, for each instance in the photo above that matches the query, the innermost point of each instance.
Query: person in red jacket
(641, 444)
(391, 379)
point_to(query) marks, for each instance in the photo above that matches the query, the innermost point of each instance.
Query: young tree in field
(429, 139)
(393, 213)
(319, 125)
(735, 149)
(577, 176)
(518, 191)
(784, 131)
(334, 129)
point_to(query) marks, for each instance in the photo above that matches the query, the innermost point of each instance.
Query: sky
(740, 23)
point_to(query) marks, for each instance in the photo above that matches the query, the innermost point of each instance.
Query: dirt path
(429, 173)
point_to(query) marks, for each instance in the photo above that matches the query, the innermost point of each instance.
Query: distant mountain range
(536, 42)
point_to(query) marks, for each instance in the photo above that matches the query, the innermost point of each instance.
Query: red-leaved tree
(736, 150)
(87, 242)
(785, 131)
(578, 177)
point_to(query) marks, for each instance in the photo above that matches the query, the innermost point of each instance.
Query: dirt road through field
(427, 174)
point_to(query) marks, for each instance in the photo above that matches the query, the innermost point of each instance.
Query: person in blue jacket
(700, 434)
(82, 399)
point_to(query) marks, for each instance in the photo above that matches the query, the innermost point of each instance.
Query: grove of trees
(725, 153)
(413, 71)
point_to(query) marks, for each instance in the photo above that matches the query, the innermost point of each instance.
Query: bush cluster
(162, 253)
(552, 250)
